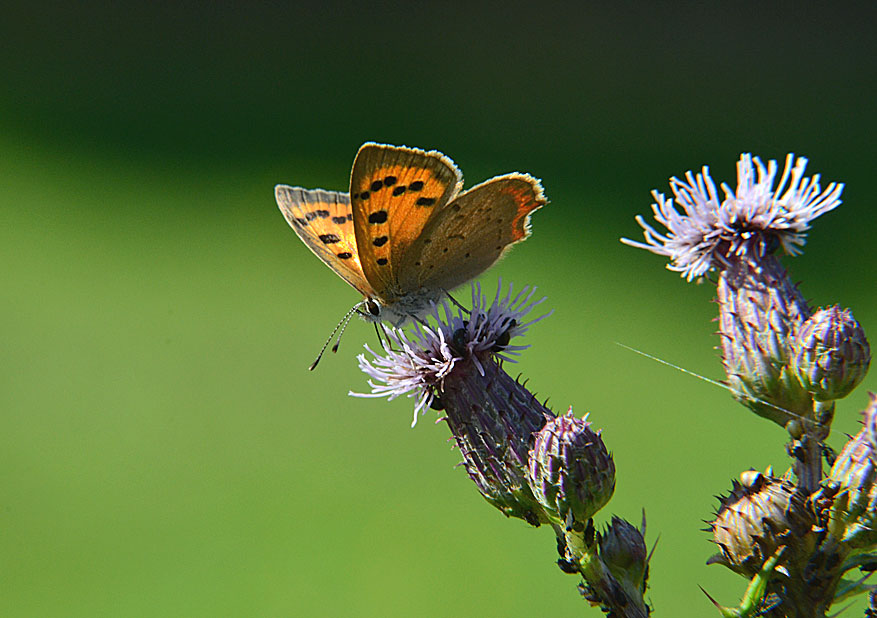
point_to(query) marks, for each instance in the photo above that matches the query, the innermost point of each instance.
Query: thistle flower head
(831, 353)
(570, 470)
(854, 473)
(623, 550)
(714, 230)
(413, 365)
(759, 515)
(456, 366)
(418, 361)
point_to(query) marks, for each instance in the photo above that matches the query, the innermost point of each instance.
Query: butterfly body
(405, 234)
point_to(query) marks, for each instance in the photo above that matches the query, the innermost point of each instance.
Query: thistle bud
(623, 550)
(570, 471)
(759, 309)
(853, 519)
(831, 353)
(756, 518)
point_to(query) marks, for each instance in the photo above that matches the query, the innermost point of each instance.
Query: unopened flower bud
(853, 518)
(570, 471)
(756, 518)
(623, 551)
(759, 309)
(831, 353)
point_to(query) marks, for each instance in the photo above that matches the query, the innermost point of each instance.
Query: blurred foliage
(163, 449)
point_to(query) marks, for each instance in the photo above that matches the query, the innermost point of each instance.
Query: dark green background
(163, 449)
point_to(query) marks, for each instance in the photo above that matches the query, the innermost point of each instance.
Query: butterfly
(405, 235)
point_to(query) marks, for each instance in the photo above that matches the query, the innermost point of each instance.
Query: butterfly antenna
(341, 325)
(345, 322)
(709, 380)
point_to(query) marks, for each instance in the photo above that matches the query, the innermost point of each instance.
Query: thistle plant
(798, 537)
(795, 536)
(526, 461)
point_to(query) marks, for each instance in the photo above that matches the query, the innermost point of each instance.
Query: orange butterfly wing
(472, 232)
(324, 222)
(395, 191)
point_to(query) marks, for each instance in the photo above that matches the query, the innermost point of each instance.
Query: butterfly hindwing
(324, 222)
(394, 192)
(472, 232)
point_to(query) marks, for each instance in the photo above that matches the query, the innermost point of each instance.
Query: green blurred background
(164, 450)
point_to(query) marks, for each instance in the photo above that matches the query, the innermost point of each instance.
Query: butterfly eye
(373, 307)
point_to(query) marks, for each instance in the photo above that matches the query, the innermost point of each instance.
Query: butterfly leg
(383, 340)
(459, 305)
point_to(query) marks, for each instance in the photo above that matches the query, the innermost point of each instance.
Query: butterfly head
(402, 309)
(370, 310)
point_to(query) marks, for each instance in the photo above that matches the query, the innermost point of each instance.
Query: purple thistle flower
(456, 366)
(416, 370)
(714, 231)
(419, 360)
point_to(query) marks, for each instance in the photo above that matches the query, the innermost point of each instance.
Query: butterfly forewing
(472, 232)
(395, 191)
(324, 221)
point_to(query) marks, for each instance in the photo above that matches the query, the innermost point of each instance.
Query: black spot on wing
(380, 241)
(339, 220)
(425, 201)
(377, 185)
(382, 261)
(397, 191)
(328, 239)
(379, 216)
(417, 185)
(346, 255)
(389, 181)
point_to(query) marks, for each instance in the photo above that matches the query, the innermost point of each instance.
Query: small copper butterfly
(405, 235)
